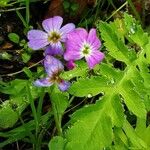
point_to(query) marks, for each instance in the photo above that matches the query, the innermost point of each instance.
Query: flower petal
(65, 30)
(52, 65)
(82, 34)
(72, 55)
(37, 39)
(37, 44)
(95, 58)
(52, 24)
(64, 85)
(45, 82)
(93, 39)
(75, 40)
(54, 49)
(36, 34)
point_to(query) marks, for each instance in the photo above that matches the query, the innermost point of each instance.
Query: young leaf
(14, 37)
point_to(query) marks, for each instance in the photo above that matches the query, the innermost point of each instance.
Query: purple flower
(53, 68)
(52, 36)
(81, 44)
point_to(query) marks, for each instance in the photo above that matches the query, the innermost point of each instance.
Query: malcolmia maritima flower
(53, 35)
(53, 68)
(81, 44)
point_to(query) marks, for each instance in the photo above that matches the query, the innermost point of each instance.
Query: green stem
(33, 109)
(32, 138)
(27, 12)
(13, 9)
(39, 108)
(57, 118)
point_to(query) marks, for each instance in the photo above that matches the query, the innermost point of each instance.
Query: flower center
(86, 50)
(55, 78)
(54, 37)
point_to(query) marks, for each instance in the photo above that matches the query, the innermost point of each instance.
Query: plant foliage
(120, 89)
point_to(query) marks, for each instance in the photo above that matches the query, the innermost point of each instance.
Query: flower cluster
(68, 42)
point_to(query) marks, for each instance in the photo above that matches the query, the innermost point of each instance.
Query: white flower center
(86, 49)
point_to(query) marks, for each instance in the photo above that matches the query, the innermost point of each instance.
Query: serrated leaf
(132, 99)
(135, 30)
(116, 111)
(93, 126)
(84, 87)
(115, 45)
(136, 141)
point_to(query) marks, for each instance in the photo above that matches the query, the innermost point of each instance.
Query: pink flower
(52, 36)
(81, 44)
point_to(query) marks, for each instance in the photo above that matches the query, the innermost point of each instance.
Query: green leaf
(135, 31)
(86, 87)
(116, 111)
(5, 55)
(26, 57)
(115, 45)
(11, 109)
(60, 101)
(28, 72)
(146, 135)
(136, 141)
(93, 126)
(14, 37)
(8, 116)
(23, 131)
(4, 3)
(57, 143)
(132, 99)
(80, 70)
(74, 7)
(66, 4)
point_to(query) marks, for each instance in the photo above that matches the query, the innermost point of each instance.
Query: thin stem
(15, 73)
(39, 108)
(27, 12)
(71, 99)
(57, 119)
(22, 19)
(116, 11)
(143, 13)
(75, 106)
(13, 9)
